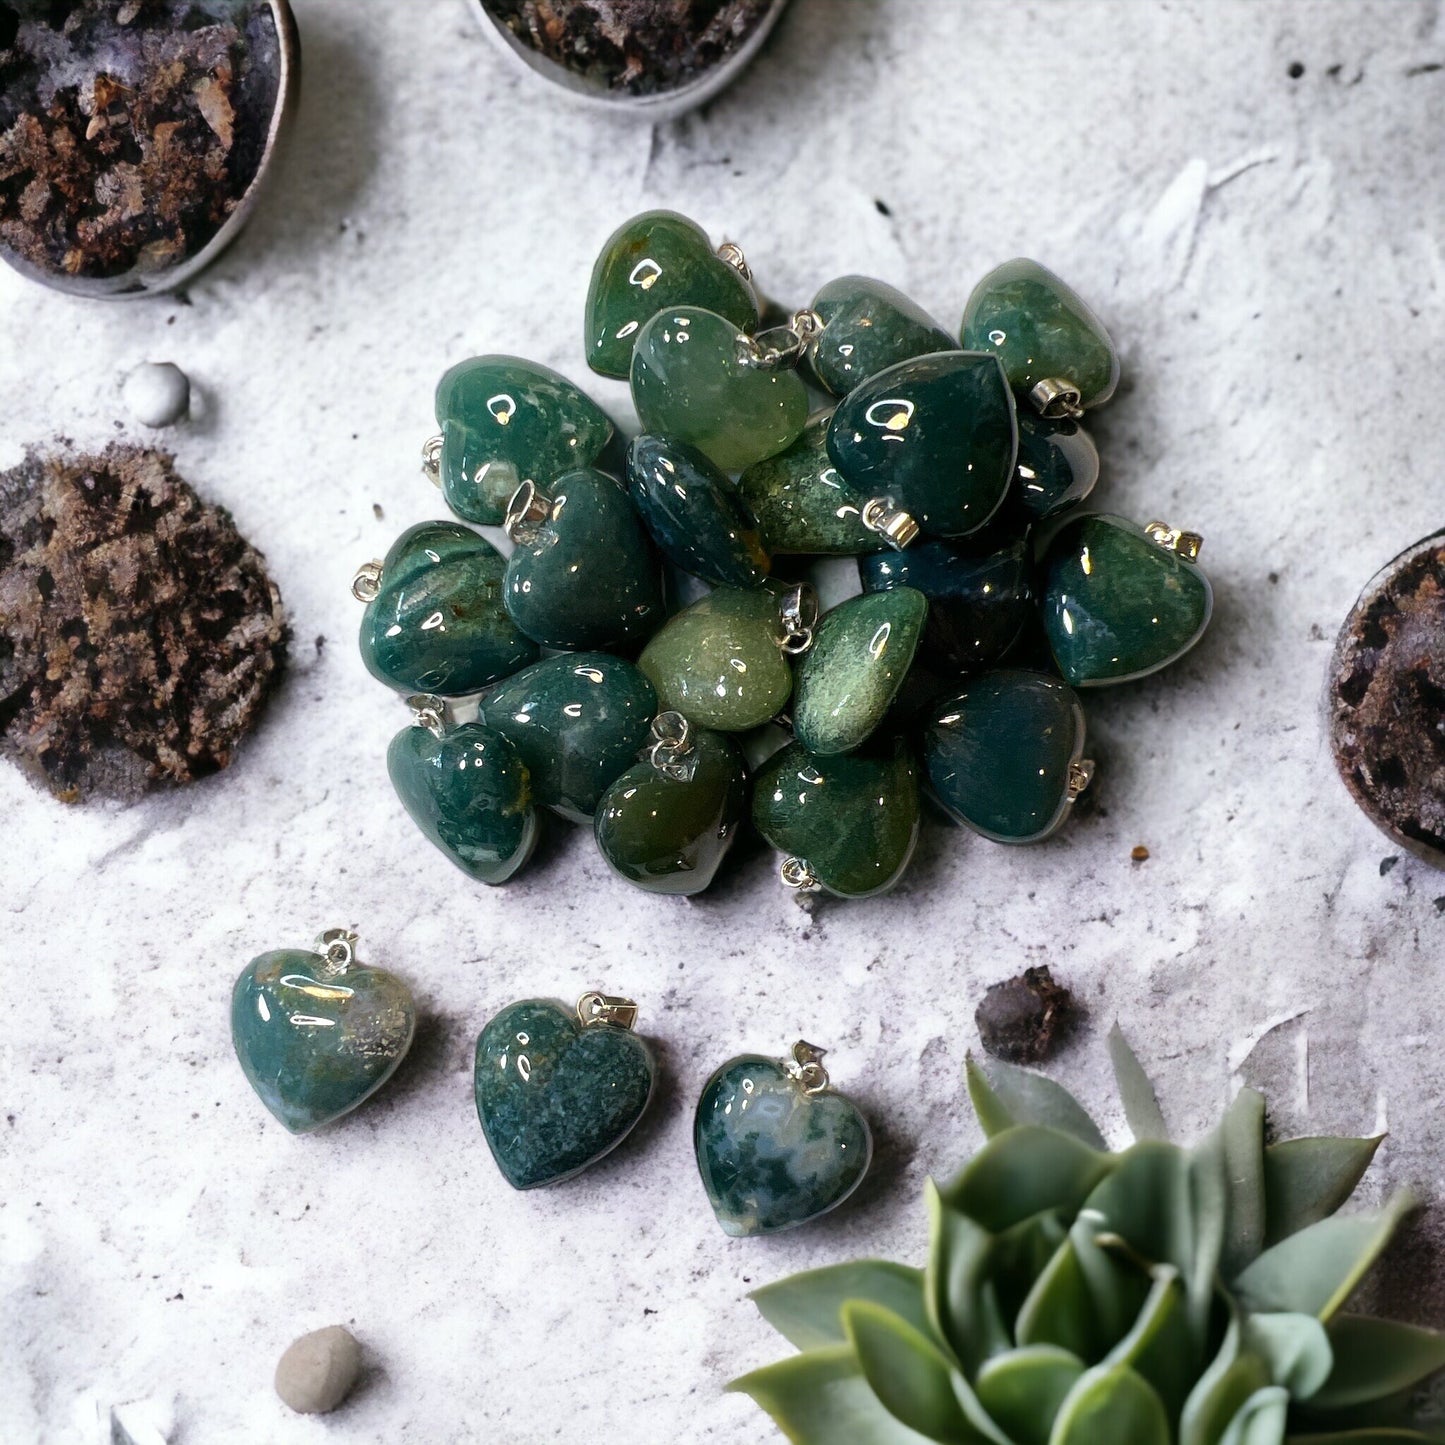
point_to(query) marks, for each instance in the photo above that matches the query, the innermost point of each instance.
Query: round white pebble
(319, 1370)
(158, 393)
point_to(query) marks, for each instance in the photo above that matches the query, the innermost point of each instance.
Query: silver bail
(798, 617)
(893, 524)
(1054, 397)
(528, 510)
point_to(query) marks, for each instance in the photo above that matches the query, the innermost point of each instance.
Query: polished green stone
(590, 577)
(315, 1042)
(505, 421)
(999, 754)
(852, 819)
(1116, 605)
(468, 791)
(772, 1156)
(669, 834)
(695, 514)
(718, 662)
(689, 384)
(869, 326)
(577, 722)
(1058, 465)
(553, 1095)
(438, 624)
(653, 262)
(801, 501)
(848, 679)
(1040, 329)
(936, 436)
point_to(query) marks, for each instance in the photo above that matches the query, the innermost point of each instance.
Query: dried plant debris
(1023, 1019)
(637, 47)
(129, 129)
(1387, 699)
(140, 635)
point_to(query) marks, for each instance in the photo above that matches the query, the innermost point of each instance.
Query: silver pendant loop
(431, 460)
(1054, 397)
(339, 947)
(806, 1066)
(1185, 545)
(366, 585)
(601, 1008)
(430, 712)
(527, 512)
(798, 616)
(780, 347)
(673, 752)
(1081, 774)
(797, 875)
(732, 253)
(893, 524)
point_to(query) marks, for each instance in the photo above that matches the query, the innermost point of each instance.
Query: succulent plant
(1074, 1296)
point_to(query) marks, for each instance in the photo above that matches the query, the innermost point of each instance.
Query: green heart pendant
(776, 1147)
(435, 620)
(1121, 601)
(583, 574)
(655, 261)
(557, 1090)
(318, 1033)
(869, 326)
(466, 788)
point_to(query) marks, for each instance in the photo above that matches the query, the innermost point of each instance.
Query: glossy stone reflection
(771, 1156)
(588, 578)
(1058, 465)
(695, 514)
(577, 723)
(553, 1095)
(1000, 754)
(315, 1042)
(936, 436)
(505, 421)
(653, 262)
(438, 623)
(468, 791)
(869, 326)
(690, 384)
(852, 820)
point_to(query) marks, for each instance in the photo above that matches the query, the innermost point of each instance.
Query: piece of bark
(1022, 1019)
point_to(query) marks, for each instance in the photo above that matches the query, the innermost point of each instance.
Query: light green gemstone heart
(657, 260)
(689, 384)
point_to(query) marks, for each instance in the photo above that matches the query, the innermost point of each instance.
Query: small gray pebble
(158, 393)
(319, 1370)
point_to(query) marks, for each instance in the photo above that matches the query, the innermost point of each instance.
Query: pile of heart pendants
(654, 624)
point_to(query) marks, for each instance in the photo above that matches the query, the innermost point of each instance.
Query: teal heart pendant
(434, 619)
(557, 1090)
(583, 574)
(1121, 601)
(776, 1146)
(318, 1033)
(467, 789)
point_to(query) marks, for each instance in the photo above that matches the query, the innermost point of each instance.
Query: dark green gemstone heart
(554, 1096)
(1041, 330)
(468, 791)
(438, 623)
(690, 383)
(1116, 604)
(869, 326)
(589, 577)
(936, 436)
(695, 514)
(848, 679)
(802, 503)
(852, 820)
(1000, 754)
(979, 598)
(505, 421)
(772, 1156)
(669, 834)
(1058, 465)
(655, 261)
(314, 1041)
(578, 722)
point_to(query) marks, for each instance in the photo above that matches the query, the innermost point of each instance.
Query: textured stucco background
(1253, 195)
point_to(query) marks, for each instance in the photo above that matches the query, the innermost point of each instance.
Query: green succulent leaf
(1315, 1271)
(908, 1373)
(1022, 1172)
(1141, 1104)
(1306, 1180)
(1374, 1359)
(1008, 1095)
(959, 1298)
(1117, 1282)
(1388, 1436)
(1023, 1390)
(1059, 1310)
(1111, 1403)
(821, 1398)
(1218, 1397)
(806, 1309)
(1160, 1346)
(1296, 1349)
(1020, 1255)
(1241, 1135)
(1260, 1420)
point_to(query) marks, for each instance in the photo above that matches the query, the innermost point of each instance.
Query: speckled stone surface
(1260, 246)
